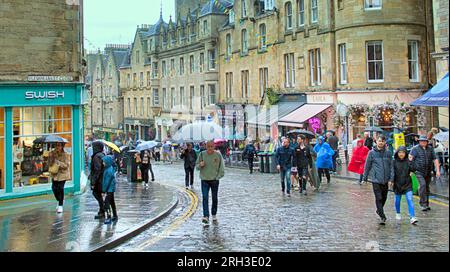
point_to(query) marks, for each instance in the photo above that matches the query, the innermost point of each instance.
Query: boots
(108, 219)
(100, 215)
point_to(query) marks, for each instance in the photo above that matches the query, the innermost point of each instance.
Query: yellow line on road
(437, 202)
(191, 210)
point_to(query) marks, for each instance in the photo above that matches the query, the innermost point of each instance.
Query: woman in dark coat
(403, 182)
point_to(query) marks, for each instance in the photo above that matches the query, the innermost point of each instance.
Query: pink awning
(302, 114)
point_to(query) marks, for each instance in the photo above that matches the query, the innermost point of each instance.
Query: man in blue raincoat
(324, 160)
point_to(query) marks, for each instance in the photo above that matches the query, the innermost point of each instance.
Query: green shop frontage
(31, 111)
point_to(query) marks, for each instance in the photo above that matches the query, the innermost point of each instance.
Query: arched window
(288, 10)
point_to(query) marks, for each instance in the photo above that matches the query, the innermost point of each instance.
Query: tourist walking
(146, 166)
(167, 150)
(59, 168)
(96, 176)
(358, 160)
(403, 183)
(249, 153)
(211, 167)
(284, 157)
(324, 160)
(379, 163)
(108, 189)
(302, 159)
(424, 162)
(190, 158)
(333, 141)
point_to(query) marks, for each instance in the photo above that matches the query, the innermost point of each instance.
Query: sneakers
(289, 194)
(60, 209)
(108, 221)
(424, 208)
(205, 220)
(214, 219)
(187, 187)
(428, 208)
(304, 192)
(413, 220)
(146, 185)
(382, 220)
(192, 187)
(99, 216)
(398, 216)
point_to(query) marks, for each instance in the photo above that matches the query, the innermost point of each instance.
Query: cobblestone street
(254, 216)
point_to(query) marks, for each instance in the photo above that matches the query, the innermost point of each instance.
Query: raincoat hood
(97, 147)
(401, 148)
(360, 141)
(108, 161)
(320, 140)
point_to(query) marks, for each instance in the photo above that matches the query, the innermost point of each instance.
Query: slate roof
(216, 7)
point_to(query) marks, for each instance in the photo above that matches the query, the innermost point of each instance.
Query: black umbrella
(50, 139)
(307, 133)
(412, 135)
(375, 129)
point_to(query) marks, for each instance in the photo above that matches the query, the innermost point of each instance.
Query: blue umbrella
(436, 96)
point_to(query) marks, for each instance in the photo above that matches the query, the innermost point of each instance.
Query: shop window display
(2, 149)
(29, 158)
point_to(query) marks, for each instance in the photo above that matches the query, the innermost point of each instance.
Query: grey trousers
(424, 189)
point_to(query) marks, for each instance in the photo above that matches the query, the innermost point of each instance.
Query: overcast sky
(107, 21)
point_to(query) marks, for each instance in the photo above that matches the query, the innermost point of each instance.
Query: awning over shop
(302, 114)
(436, 96)
(267, 116)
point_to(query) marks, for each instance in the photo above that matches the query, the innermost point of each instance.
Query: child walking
(403, 183)
(108, 188)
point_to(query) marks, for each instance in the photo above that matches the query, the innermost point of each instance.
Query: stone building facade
(172, 74)
(107, 101)
(359, 53)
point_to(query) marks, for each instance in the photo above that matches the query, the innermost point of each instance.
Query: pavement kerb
(139, 229)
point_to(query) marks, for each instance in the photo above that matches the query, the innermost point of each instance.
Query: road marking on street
(437, 202)
(191, 210)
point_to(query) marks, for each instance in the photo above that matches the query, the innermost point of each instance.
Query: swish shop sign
(13, 96)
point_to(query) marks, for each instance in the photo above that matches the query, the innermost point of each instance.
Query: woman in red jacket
(359, 159)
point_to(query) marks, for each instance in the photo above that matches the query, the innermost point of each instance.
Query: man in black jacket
(96, 176)
(302, 159)
(333, 141)
(190, 157)
(379, 161)
(249, 153)
(422, 158)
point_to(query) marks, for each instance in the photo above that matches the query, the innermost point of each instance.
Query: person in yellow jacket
(60, 160)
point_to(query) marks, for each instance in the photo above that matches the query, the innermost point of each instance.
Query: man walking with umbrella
(96, 176)
(422, 157)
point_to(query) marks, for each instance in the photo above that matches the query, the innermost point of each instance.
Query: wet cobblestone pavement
(254, 216)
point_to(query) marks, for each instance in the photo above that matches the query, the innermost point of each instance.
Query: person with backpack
(190, 158)
(403, 183)
(96, 176)
(211, 167)
(249, 153)
(302, 159)
(379, 163)
(108, 189)
(145, 166)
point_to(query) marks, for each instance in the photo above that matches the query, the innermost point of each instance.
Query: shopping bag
(415, 183)
(139, 174)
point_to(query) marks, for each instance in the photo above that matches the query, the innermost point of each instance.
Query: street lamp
(342, 111)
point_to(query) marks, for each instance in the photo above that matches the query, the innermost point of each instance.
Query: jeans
(381, 192)
(110, 203)
(58, 191)
(326, 172)
(214, 186)
(189, 177)
(424, 189)
(409, 199)
(286, 177)
(302, 177)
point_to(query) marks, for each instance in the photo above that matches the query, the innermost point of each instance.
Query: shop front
(29, 112)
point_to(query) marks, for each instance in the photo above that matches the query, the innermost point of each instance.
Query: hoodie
(97, 163)
(324, 154)
(109, 178)
(402, 172)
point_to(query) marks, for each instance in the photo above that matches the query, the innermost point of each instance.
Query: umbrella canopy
(306, 133)
(113, 146)
(219, 141)
(375, 129)
(198, 132)
(436, 96)
(412, 135)
(441, 136)
(50, 139)
(146, 145)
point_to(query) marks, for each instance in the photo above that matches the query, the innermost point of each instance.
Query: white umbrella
(198, 132)
(146, 145)
(441, 136)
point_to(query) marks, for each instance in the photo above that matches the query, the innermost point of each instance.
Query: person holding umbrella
(145, 166)
(302, 159)
(59, 168)
(190, 157)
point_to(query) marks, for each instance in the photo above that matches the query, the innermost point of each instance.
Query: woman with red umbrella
(358, 161)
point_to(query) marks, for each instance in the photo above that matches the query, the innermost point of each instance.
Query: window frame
(416, 61)
(301, 13)
(314, 11)
(263, 38)
(373, 8)
(368, 43)
(343, 72)
(289, 16)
